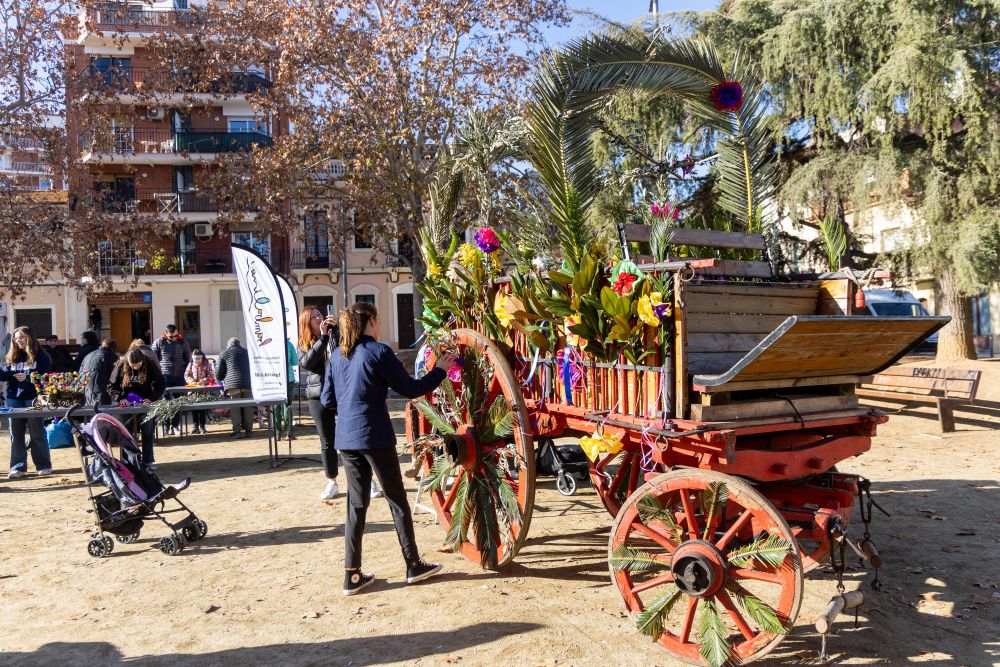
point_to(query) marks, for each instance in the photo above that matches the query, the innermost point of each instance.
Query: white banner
(291, 319)
(265, 325)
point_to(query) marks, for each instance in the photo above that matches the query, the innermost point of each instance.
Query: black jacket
(151, 389)
(233, 369)
(315, 360)
(85, 349)
(174, 355)
(357, 388)
(62, 360)
(100, 363)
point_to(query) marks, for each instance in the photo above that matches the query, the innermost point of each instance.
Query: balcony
(166, 203)
(125, 262)
(318, 258)
(165, 146)
(129, 18)
(119, 81)
(33, 168)
(21, 143)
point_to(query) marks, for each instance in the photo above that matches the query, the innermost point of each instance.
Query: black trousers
(358, 466)
(326, 422)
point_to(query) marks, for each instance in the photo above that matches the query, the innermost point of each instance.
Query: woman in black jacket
(24, 357)
(315, 344)
(136, 374)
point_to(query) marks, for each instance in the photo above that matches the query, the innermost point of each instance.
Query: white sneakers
(330, 491)
(376, 492)
(15, 473)
(44, 471)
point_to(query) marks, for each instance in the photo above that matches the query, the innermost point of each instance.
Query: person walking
(88, 343)
(136, 374)
(24, 357)
(234, 374)
(358, 377)
(199, 373)
(99, 364)
(174, 354)
(62, 360)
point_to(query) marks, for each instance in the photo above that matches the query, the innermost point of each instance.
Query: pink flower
(487, 240)
(455, 373)
(665, 210)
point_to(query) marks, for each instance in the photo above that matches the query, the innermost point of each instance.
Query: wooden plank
(700, 237)
(754, 289)
(737, 267)
(894, 395)
(712, 362)
(838, 339)
(948, 387)
(680, 349)
(722, 342)
(806, 357)
(744, 324)
(772, 407)
(860, 324)
(832, 298)
(784, 383)
(942, 373)
(751, 305)
(787, 419)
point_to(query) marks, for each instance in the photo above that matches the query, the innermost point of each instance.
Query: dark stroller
(567, 463)
(134, 494)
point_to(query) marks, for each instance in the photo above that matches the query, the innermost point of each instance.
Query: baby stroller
(134, 494)
(567, 462)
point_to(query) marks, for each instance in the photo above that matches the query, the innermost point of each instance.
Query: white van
(899, 303)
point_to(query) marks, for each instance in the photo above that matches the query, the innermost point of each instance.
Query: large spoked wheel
(477, 455)
(707, 567)
(615, 477)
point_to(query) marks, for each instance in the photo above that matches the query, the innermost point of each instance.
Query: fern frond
(650, 620)
(461, 514)
(484, 522)
(770, 550)
(498, 422)
(712, 634)
(434, 417)
(766, 618)
(633, 560)
(651, 509)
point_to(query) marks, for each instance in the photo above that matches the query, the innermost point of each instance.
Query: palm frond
(484, 522)
(498, 422)
(475, 378)
(448, 390)
(766, 618)
(504, 491)
(712, 634)
(445, 195)
(650, 620)
(834, 241)
(651, 509)
(713, 503)
(434, 417)
(770, 550)
(438, 476)
(633, 560)
(461, 514)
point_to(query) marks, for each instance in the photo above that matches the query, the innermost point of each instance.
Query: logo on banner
(257, 306)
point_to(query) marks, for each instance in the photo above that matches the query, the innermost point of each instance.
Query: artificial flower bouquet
(60, 389)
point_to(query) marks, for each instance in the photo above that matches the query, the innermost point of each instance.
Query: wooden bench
(940, 386)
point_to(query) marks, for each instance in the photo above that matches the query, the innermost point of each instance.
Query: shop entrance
(127, 324)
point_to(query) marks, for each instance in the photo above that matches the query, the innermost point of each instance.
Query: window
(262, 245)
(45, 184)
(247, 125)
(361, 243)
(364, 298)
(39, 320)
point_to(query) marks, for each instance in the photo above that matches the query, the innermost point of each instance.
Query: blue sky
(624, 11)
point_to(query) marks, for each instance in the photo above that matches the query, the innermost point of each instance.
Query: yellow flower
(500, 309)
(468, 256)
(434, 270)
(599, 442)
(645, 310)
(496, 266)
(571, 338)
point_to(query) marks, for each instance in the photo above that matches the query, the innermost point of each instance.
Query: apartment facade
(23, 164)
(147, 137)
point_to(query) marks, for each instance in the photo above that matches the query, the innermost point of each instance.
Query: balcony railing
(124, 17)
(21, 143)
(27, 167)
(127, 263)
(126, 141)
(311, 259)
(124, 80)
(167, 203)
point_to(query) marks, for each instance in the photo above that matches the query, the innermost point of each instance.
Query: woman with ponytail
(358, 377)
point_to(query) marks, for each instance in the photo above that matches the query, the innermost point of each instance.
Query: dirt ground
(264, 587)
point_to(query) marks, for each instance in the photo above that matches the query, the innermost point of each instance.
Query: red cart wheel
(615, 477)
(494, 468)
(707, 566)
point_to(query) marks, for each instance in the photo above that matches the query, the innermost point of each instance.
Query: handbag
(59, 434)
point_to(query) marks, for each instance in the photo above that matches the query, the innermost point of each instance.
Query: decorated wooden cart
(714, 400)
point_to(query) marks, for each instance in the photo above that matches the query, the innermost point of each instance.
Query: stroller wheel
(128, 539)
(566, 484)
(202, 529)
(109, 543)
(195, 530)
(171, 545)
(98, 548)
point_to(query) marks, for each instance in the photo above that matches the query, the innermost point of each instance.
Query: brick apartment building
(146, 141)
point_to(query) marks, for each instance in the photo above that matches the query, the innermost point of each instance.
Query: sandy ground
(264, 587)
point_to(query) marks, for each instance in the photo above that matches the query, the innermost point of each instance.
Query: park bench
(943, 387)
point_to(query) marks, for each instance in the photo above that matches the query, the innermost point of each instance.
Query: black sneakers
(356, 581)
(420, 570)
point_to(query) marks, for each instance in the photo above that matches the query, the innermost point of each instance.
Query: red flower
(728, 96)
(624, 283)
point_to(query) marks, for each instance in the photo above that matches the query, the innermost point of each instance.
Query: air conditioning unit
(203, 230)
(155, 113)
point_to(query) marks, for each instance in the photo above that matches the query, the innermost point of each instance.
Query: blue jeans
(39, 444)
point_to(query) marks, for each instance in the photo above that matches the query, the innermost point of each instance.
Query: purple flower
(455, 372)
(728, 96)
(487, 240)
(687, 165)
(662, 311)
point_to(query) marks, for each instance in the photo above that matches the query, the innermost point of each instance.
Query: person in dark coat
(136, 374)
(174, 354)
(358, 378)
(88, 343)
(95, 320)
(99, 364)
(317, 340)
(24, 357)
(62, 360)
(233, 371)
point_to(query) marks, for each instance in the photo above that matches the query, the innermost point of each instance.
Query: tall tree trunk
(955, 340)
